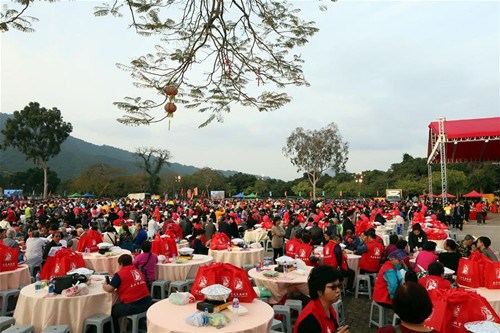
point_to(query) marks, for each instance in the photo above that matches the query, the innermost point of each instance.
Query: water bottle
(295, 265)
(174, 257)
(87, 250)
(229, 246)
(236, 308)
(38, 283)
(206, 318)
(51, 286)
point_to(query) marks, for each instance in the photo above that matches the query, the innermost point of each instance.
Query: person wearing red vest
(290, 247)
(389, 278)
(304, 250)
(130, 284)
(479, 212)
(318, 316)
(435, 279)
(371, 253)
(335, 257)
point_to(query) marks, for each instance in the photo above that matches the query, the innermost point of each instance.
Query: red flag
(189, 193)
(182, 192)
(310, 193)
(340, 193)
(286, 193)
(377, 193)
(195, 191)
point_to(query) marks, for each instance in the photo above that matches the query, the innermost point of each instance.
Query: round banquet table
(100, 263)
(439, 243)
(491, 295)
(39, 310)
(353, 263)
(238, 257)
(16, 278)
(176, 272)
(257, 320)
(281, 284)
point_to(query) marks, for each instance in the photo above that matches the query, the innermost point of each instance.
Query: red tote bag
(8, 258)
(492, 275)
(467, 306)
(468, 273)
(219, 241)
(64, 260)
(440, 317)
(206, 276)
(237, 280)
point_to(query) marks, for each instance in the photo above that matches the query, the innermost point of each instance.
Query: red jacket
(290, 247)
(314, 307)
(434, 282)
(370, 261)
(133, 285)
(303, 252)
(329, 254)
(381, 291)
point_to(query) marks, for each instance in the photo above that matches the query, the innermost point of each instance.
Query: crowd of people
(295, 227)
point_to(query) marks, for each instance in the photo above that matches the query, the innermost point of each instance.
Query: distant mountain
(77, 154)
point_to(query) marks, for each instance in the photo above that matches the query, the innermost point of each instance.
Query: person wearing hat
(464, 246)
(389, 278)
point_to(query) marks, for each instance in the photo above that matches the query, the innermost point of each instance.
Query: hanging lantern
(171, 90)
(170, 108)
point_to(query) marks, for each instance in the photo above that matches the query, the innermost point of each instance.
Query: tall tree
(315, 151)
(208, 179)
(153, 159)
(235, 43)
(37, 133)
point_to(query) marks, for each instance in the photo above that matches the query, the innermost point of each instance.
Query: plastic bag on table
(181, 298)
(218, 320)
(196, 319)
(79, 289)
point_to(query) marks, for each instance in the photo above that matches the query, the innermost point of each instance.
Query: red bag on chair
(8, 258)
(164, 246)
(468, 273)
(219, 241)
(492, 275)
(237, 280)
(206, 276)
(467, 306)
(440, 317)
(89, 240)
(64, 260)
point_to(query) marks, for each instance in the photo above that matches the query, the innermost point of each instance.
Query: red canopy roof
(468, 140)
(472, 194)
(448, 195)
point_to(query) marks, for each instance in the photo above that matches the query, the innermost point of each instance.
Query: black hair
(430, 246)
(436, 268)
(451, 244)
(416, 226)
(412, 303)
(393, 239)
(485, 240)
(319, 277)
(411, 276)
(306, 238)
(370, 233)
(125, 260)
(401, 244)
(146, 246)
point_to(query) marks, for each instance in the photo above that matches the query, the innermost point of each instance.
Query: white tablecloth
(353, 263)
(258, 235)
(176, 272)
(100, 263)
(281, 285)
(165, 317)
(16, 278)
(39, 310)
(238, 257)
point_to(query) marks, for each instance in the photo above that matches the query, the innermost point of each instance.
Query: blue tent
(239, 195)
(88, 195)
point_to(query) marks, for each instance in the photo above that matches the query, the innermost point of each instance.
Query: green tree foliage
(31, 181)
(457, 182)
(102, 181)
(316, 151)
(152, 161)
(241, 181)
(37, 133)
(207, 179)
(302, 188)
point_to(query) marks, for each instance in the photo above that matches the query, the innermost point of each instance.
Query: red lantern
(171, 90)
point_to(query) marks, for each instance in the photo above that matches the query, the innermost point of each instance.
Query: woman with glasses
(318, 316)
(55, 242)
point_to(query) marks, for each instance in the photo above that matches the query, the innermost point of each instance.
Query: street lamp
(358, 178)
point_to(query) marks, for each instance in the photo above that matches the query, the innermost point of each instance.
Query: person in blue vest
(318, 316)
(130, 284)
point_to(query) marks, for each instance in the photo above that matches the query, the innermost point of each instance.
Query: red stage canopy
(469, 140)
(473, 194)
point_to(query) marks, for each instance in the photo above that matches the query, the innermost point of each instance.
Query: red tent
(467, 140)
(472, 194)
(448, 195)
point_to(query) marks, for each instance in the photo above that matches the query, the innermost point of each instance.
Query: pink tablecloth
(281, 285)
(100, 263)
(257, 320)
(175, 272)
(16, 278)
(238, 257)
(41, 311)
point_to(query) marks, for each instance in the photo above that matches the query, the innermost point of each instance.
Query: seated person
(389, 278)
(130, 284)
(318, 316)
(435, 279)
(393, 239)
(198, 245)
(413, 306)
(304, 250)
(426, 257)
(371, 253)
(450, 257)
(335, 257)
(351, 241)
(417, 238)
(483, 245)
(291, 245)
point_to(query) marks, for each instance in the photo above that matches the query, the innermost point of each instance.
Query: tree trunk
(45, 180)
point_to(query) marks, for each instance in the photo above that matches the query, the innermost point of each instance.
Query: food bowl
(216, 292)
(186, 251)
(237, 241)
(285, 260)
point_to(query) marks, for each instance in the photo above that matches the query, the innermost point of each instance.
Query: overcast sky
(382, 70)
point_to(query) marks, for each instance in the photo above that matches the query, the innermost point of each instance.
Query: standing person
(458, 216)
(209, 229)
(224, 226)
(347, 223)
(389, 278)
(479, 212)
(198, 246)
(140, 236)
(413, 306)
(318, 316)
(466, 210)
(277, 233)
(153, 228)
(131, 286)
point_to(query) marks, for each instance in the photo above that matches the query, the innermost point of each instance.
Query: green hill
(77, 154)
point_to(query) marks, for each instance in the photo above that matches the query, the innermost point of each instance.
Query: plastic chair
(285, 311)
(339, 309)
(368, 290)
(163, 285)
(178, 285)
(135, 318)
(20, 329)
(56, 329)
(98, 321)
(380, 320)
(277, 325)
(6, 322)
(6, 295)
